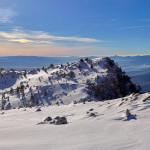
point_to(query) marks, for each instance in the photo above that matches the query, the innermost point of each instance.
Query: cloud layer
(18, 35)
(6, 15)
(39, 43)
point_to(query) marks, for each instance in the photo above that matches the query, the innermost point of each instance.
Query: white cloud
(21, 40)
(25, 42)
(6, 15)
(40, 36)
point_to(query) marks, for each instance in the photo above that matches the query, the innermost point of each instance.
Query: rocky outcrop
(59, 120)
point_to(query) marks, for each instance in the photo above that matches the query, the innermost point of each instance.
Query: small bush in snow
(29, 105)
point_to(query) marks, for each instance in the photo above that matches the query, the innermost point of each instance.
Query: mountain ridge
(96, 79)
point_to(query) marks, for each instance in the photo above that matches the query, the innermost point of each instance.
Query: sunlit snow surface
(109, 130)
(59, 88)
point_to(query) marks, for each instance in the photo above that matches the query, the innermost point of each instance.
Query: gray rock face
(39, 109)
(147, 98)
(91, 109)
(56, 121)
(92, 115)
(48, 119)
(59, 120)
(74, 102)
(128, 114)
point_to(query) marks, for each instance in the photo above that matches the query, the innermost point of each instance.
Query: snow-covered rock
(86, 80)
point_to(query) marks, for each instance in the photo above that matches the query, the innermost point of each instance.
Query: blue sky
(74, 27)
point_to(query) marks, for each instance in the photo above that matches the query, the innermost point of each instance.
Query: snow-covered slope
(101, 114)
(108, 129)
(63, 84)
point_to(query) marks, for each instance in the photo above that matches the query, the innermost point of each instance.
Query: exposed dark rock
(20, 107)
(48, 119)
(147, 98)
(39, 109)
(74, 102)
(121, 103)
(91, 109)
(92, 115)
(59, 120)
(128, 114)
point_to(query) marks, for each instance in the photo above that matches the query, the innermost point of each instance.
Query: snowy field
(107, 130)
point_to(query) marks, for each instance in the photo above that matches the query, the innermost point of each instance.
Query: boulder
(128, 114)
(74, 102)
(59, 120)
(48, 119)
(147, 98)
(92, 115)
(39, 109)
(91, 109)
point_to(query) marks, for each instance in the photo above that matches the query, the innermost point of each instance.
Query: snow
(108, 130)
(93, 125)
(57, 86)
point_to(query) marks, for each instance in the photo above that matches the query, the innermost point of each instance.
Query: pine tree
(11, 91)
(86, 59)
(32, 98)
(92, 66)
(3, 95)
(81, 60)
(45, 92)
(2, 107)
(30, 89)
(17, 89)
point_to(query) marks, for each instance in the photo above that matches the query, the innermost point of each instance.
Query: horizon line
(77, 56)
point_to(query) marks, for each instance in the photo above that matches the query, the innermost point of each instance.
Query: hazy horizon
(76, 56)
